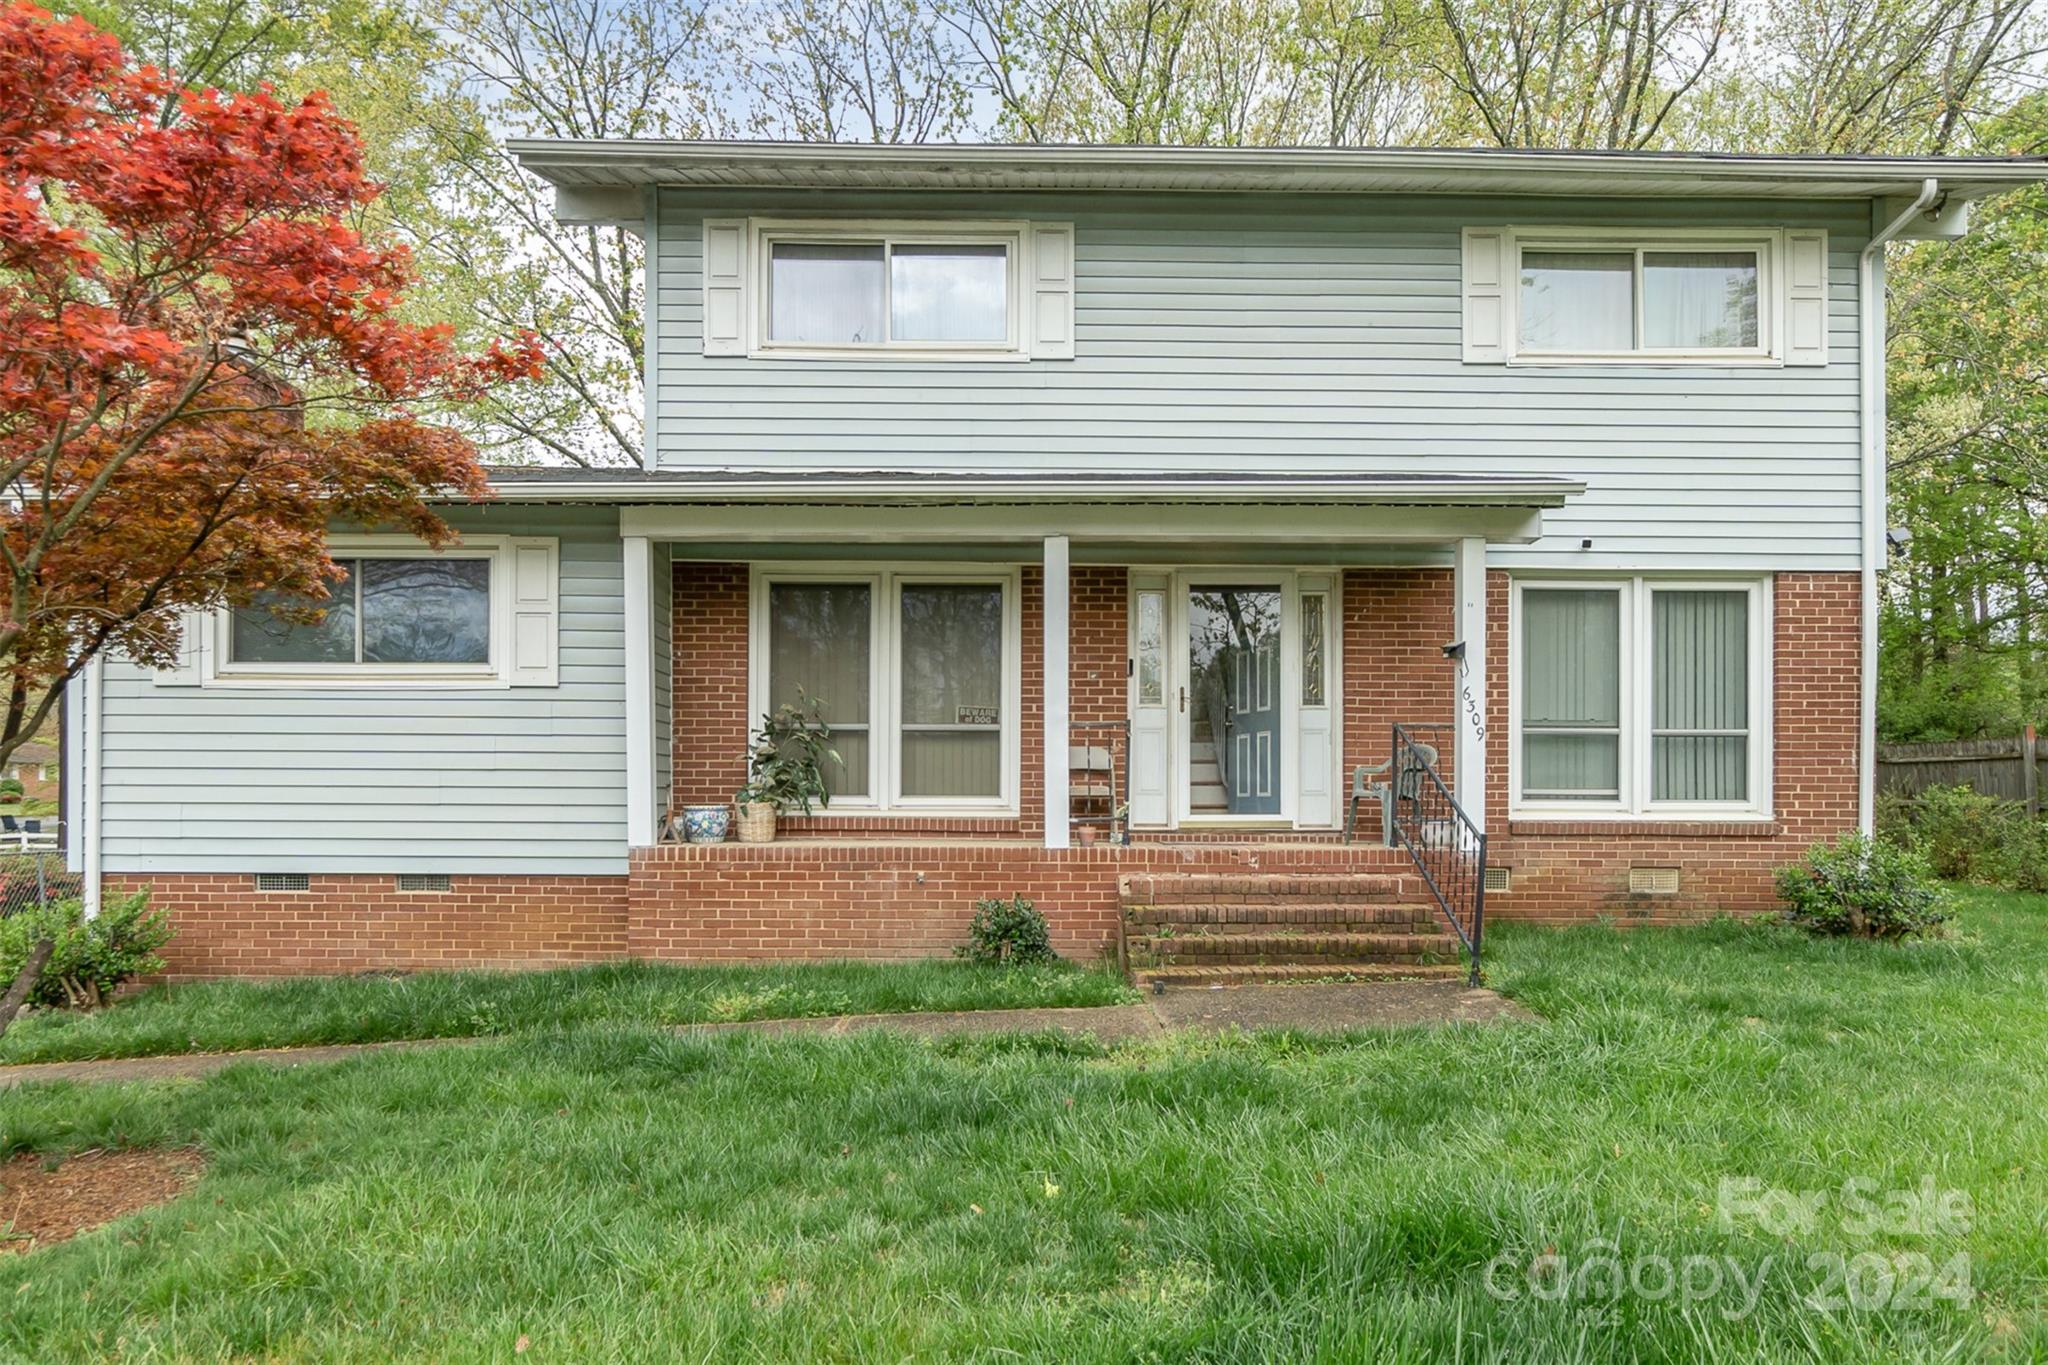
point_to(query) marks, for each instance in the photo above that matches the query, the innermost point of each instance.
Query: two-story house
(1217, 464)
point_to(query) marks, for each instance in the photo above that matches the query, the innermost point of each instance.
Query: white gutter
(1870, 386)
(741, 164)
(1166, 488)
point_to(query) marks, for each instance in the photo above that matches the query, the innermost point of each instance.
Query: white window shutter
(1051, 280)
(1806, 298)
(195, 635)
(725, 286)
(536, 611)
(1486, 296)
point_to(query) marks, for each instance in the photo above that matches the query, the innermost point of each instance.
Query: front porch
(825, 897)
(1048, 697)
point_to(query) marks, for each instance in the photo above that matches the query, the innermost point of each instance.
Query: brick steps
(1260, 948)
(1301, 918)
(1280, 973)
(1273, 888)
(1241, 928)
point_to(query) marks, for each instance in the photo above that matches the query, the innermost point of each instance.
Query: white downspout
(91, 765)
(1870, 385)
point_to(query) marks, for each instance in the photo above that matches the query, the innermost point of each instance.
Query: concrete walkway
(1329, 1008)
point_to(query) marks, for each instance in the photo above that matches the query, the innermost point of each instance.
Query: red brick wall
(1098, 643)
(710, 681)
(360, 922)
(1565, 871)
(895, 900)
(1396, 623)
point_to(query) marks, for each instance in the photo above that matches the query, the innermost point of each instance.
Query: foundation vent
(1500, 878)
(283, 881)
(1653, 881)
(424, 881)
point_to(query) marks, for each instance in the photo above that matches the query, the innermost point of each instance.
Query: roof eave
(1281, 170)
(1506, 492)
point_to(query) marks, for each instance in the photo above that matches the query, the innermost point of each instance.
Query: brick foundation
(360, 922)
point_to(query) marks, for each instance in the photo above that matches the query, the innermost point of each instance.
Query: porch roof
(896, 488)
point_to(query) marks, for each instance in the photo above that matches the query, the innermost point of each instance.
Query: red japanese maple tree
(202, 363)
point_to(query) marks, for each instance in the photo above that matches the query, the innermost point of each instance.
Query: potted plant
(785, 767)
(706, 824)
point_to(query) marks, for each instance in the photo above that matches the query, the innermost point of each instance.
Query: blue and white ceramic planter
(706, 824)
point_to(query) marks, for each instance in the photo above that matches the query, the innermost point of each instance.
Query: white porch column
(639, 568)
(1055, 710)
(1469, 752)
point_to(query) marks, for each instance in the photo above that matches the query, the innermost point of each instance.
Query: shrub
(1970, 837)
(1863, 886)
(91, 956)
(1008, 933)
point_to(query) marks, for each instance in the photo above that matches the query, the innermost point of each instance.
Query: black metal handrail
(1448, 849)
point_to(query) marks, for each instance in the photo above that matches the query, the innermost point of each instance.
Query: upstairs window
(1599, 302)
(917, 290)
(885, 292)
(1589, 296)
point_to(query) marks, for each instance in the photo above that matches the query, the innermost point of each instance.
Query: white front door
(1233, 689)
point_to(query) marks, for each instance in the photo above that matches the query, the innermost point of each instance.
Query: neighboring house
(34, 765)
(1568, 457)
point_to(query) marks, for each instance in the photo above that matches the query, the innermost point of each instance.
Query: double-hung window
(916, 674)
(1640, 696)
(938, 289)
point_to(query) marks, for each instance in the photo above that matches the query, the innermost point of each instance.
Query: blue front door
(1234, 701)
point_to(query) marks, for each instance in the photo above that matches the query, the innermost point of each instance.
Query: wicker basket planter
(757, 822)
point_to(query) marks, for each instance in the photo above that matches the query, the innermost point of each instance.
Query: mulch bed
(40, 1205)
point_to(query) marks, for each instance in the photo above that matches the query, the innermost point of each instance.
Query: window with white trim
(1551, 295)
(482, 611)
(961, 289)
(939, 288)
(1640, 696)
(916, 673)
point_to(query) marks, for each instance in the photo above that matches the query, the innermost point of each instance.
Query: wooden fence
(2007, 768)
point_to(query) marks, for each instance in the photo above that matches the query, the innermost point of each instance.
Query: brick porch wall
(360, 922)
(898, 901)
(1566, 871)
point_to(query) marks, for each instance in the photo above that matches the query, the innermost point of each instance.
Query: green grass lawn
(608, 1190)
(226, 1016)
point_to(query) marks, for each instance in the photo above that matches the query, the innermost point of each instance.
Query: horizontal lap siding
(1310, 334)
(504, 780)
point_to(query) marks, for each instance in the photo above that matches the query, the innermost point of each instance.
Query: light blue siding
(1306, 334)
(505, 780)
